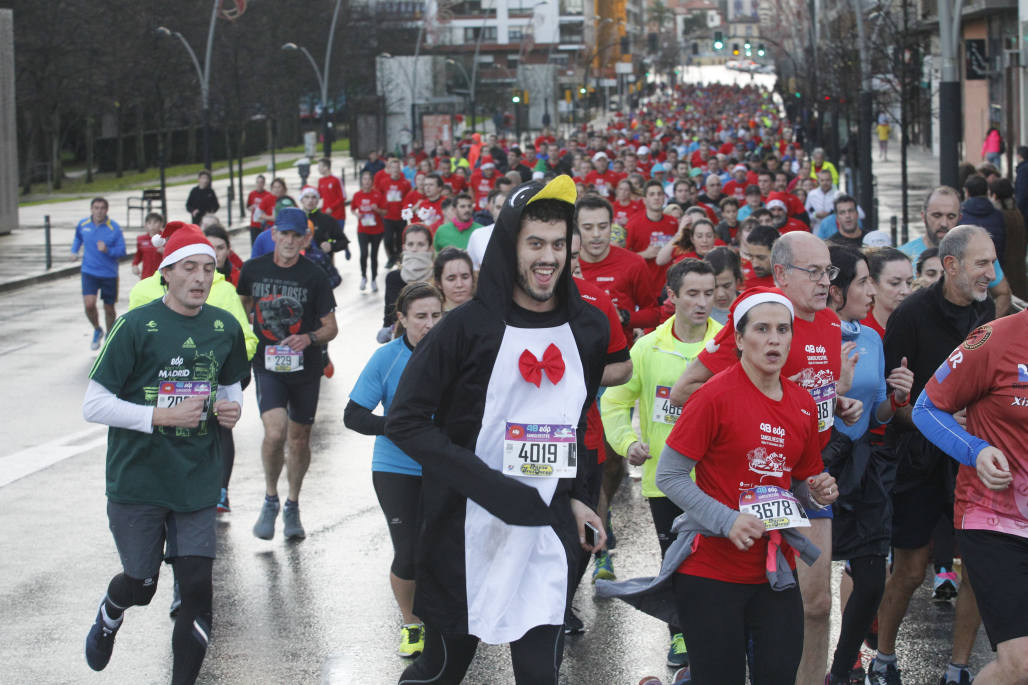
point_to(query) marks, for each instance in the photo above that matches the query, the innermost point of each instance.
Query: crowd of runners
(683, 291)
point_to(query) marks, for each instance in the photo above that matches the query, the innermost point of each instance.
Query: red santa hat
(181, 240)
(751, 297)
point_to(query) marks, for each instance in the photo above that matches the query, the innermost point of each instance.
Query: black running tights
(369, 243)
(868, 585)
(228, 454)
(447, 657)
(664, 512)
(716, 619)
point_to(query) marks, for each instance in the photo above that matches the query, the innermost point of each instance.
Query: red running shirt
(147, 255)
(815, 354)
(333, 197)
(624, 277)
(595, 296)
(988, 374)
(364, 205)
(771, 443)
(393, 190)
(642, 233)
(622, 213)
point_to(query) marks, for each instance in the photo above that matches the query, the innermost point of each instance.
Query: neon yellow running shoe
(412, 641)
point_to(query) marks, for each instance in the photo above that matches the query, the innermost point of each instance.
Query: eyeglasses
(816, 274)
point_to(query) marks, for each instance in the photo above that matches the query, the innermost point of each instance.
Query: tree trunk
(90, 149)
(141, 164)
(119, 146)
(56, 167)
(191, 144)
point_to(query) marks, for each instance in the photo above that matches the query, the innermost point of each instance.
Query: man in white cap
(781, 219)
(645, 164)
(167, 377)
(602, 177)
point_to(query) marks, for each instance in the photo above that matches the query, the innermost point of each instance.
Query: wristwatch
(313, 337)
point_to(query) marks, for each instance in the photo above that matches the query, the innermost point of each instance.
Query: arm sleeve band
(359, 418)
(102, 406)
(945, 433)
(231, 393)
(675, 481)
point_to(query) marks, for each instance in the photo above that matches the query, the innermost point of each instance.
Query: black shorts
(106, 287)
(146, 534)
(916, 511)
(399, 495)
(997, 565)
(297, 393)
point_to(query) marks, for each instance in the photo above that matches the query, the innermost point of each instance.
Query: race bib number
(368, 220)
(540, 451)
(824, 398)
(282, 359)
(394, 195)
(663, 411)
(171, 393)
(660, 239)
(775, 507)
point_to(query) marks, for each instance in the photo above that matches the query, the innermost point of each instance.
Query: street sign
(608, 83)
(977, 62)
(623, 67)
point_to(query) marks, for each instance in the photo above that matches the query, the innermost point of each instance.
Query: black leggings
(664, 512)
(366, 240)
(447, 657)
(716, 619)
(399, 495)
(228, 454)
(593, 485)
(868, 585)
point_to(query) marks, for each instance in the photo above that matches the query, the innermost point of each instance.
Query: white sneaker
(364, 283)
(374, 286)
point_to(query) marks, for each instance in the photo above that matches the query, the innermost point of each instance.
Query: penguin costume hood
(493, 405)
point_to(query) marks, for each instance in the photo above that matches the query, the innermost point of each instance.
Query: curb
(64, 271)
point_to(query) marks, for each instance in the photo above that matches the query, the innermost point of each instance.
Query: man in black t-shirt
(290, 302)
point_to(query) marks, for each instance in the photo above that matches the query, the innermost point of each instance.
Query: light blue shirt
(868, 380)
(376, 386)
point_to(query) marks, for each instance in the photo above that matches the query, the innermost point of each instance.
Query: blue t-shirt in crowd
(868, 378)
(377, 385)
(263, 245)
(915, 247)
(95, 262)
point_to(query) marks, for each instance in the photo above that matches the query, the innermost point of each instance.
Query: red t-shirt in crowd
(622, 213)
(147, 255)
(605, 183)
(871, 322)
(456, 182)
(363, 205)
(480, 187)
(770, 443)
(815, 354)
(625, 279)
(793, 224)
(988, 374)
(333, 197)
(594, 295)
(735, 189)
(393, 190)
(410, 199)
(254, 199)
(429, 213)
(643, 232)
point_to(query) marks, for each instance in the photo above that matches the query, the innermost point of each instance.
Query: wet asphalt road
(317, 611)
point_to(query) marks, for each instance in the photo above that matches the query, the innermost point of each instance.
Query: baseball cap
(291, 219)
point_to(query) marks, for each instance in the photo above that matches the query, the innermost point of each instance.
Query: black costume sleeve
(394, 284)
(429, 381)
(359, 418)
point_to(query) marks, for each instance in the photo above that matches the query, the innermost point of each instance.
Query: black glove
(625, 316)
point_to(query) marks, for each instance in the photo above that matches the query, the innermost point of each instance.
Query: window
(471, 34)
(515, 34)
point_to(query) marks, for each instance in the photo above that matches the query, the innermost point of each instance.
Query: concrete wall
(8, 127)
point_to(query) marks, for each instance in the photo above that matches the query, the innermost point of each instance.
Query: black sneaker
(891, 676)
(572, 624)
(100, 642)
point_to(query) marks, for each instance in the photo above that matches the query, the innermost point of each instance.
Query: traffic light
(735, 49)
(582, 90)
(760, 50)
(719, 41)
(747, 45)
(516, 97)
(798, 94)
(626, 45)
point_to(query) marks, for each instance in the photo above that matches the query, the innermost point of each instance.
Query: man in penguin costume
(493, 405)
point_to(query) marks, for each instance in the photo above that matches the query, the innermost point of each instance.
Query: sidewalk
(23, 251)
(922, 176)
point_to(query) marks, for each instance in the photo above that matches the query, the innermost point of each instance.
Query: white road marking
(28, 461)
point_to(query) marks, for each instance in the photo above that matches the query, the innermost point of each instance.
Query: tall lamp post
(204, 74)
(470, 80)
(322, 76)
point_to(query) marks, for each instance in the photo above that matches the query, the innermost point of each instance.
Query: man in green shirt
(168, 371)
(456, 233)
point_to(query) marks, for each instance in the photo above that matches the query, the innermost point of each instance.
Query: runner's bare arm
(695, 375)
(616, 373)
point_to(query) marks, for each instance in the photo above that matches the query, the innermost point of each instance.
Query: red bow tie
(532, 368)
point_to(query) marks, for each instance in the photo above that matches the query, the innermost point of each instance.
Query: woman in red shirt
(369, 206)
(722, 591)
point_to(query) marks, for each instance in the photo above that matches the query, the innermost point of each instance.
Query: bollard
(904, 235)
(893, 224)
(46, 234)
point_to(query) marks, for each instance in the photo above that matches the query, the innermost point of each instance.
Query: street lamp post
(470, 80)
(322, 76)
(204, 74)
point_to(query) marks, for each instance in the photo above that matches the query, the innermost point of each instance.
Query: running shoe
(330, 369)
(651, 680)
(572, 624)
(374, 285)
(603, 568)
(857, 673)
(223, 507)
(891, 676)
(100, 641)
(98, 336)
(176, 601)
(677, 654)
(871, 639)
(265, 526)
(965, 678)
(682, 677)
(945, 585)
(291, 526)
(612, 540)
(364, 283)
(412, 640)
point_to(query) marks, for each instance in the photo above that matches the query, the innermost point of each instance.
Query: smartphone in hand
(591, 534)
